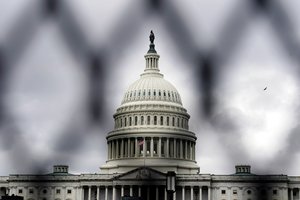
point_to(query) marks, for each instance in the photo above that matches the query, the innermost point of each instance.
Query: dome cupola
(151, 126)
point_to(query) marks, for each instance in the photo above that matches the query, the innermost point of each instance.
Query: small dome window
(164, 93)
(161, 120)
(168, 121)
(148, 120)
(149, 93)
(130, 121)
(154, 93)
(135, 120)
(139, 94)
(159, 93)
(144, 93)
(155, 120)
(142, 120)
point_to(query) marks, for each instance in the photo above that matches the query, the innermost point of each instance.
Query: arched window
(173, 121)
(130, 121)
(125, 121)
(168, 121)
(177, 122)
(135, 120)
(148, 120)
(142, 120)
(161, 120)
(155, 120)
(121, 122)
(182, 123)
(159, 93)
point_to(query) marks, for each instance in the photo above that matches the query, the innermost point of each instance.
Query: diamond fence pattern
(208, 61)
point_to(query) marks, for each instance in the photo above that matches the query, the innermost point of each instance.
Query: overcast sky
(46, 121)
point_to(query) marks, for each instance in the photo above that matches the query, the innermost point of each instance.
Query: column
(174, 148)
(186, 152)
(81, 193)
(192, 193)
(106, 193)
(209, 191)
(156, 193)
(114, 193)
(108, 152)
(167, 153)
(183, 193)
(98, 192)
(148, 193)
(200, 193)
(174, 195)
(122, 191)
(140, 192)
(292, 196)
(181, 149)
(131, 191)
(122, 148)
(90, 193)
(117, 149)
(113, 149)
(128, 148)
(166, 194)
(159, 147)
(136, 147)
(151, 147)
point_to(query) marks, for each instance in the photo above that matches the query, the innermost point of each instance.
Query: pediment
(142, 173)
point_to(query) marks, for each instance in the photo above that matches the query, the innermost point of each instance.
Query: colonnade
(115, 192)
(294, 194)
(151, 147)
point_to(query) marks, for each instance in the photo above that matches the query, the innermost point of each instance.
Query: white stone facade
(151, 137)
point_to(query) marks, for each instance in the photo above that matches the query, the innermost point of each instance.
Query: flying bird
(265, 88)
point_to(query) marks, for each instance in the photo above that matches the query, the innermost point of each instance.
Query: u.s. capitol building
(151, 137)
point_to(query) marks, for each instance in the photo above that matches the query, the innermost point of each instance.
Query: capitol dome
(151, 126)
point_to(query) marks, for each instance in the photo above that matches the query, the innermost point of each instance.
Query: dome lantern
(151, 57)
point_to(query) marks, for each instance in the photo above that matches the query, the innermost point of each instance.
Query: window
(155, 120)
(274, 192)
(57, 191)
(30, 191)
(20, 191)
(130, 121)
(173, 121)
(142, 120)
(263, 192)
(135, 120)
(69, 191)
(44, 191)
(168, 121)
(161, 120)
(223, 191)
(148, 120)
(178, 122)
(248, 191)
(234, 192)
(154, 93)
